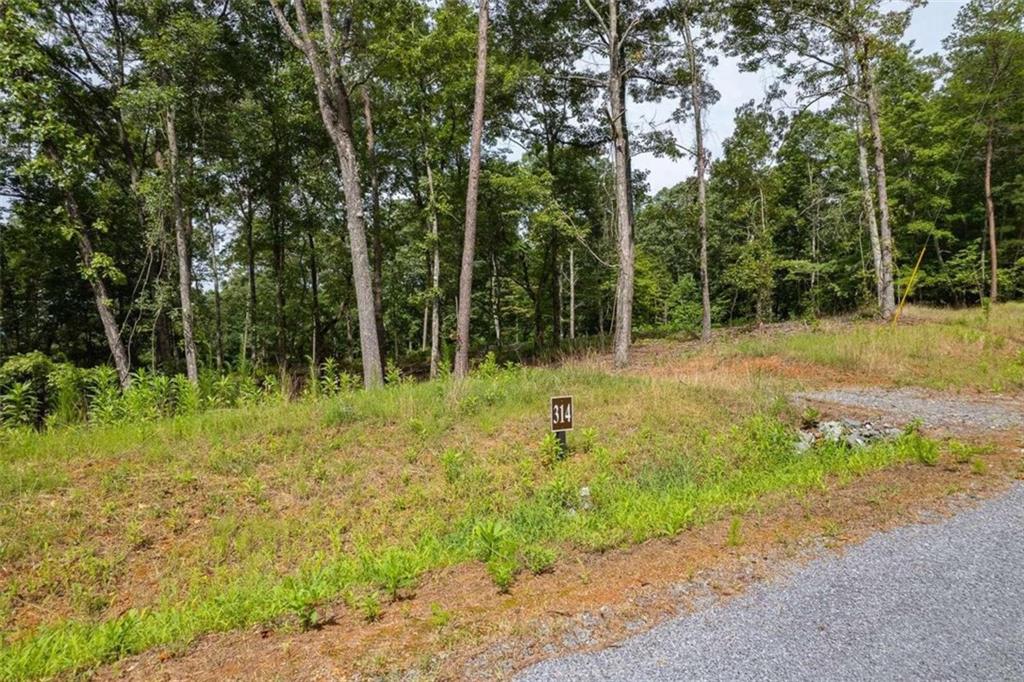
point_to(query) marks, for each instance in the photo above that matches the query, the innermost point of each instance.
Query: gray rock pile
(851, 432)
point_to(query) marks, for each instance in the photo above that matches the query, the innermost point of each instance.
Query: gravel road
(924, 602)
(957, 412)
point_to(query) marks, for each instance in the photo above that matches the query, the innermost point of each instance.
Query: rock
(849, 432)
(805, 441)
(831, 431)
(585, 502)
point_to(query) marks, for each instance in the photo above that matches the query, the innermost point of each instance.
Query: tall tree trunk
(572, 294)
(990, 218)
(623, 200)
(375, 225)
(888, 303)
(99, 289)
(280, 300)
(696, 86)
(868, 207)
(495, 302)
(472, 190)
(215, 270)
(250, 254)
(867, 202)
(314, 281)
(182, 240)
(336, 112)
(435, 279)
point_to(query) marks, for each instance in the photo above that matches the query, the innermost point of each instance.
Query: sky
(928, 26)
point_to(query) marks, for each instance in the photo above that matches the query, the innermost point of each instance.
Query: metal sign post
(561, 420)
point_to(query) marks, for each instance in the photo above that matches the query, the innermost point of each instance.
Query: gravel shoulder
(938, 601)
(953, 412)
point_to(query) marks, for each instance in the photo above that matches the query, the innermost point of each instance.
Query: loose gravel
(956, 412)
(924, 602)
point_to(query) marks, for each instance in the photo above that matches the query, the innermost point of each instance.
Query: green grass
(117, 539)
(936, 348)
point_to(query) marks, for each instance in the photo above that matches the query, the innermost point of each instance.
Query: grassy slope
(118, 539)
(935, 348)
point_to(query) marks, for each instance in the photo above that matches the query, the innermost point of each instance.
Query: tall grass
(937, 348)
(261, 514)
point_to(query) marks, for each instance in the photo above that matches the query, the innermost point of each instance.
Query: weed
(810, 418)
(438, 616)
(979, 467)
(830, 529)
(369, 606)
(927, 452)
(393, 570)
(302, 603)
(587, 440)
(914, 426)
(452, 463)
(734, 538)
(502, 570)
(491, 539)
(538, 559)
(550, 449)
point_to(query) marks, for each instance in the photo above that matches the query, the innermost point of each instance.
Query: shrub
(67, 385)
(492, 538)
(503, 572)
(30, 373)
(538, 559)
(393, 570)
(550, 449)
(19, 405)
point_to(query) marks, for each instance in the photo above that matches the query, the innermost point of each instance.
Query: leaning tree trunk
(620, 144)
(702, 220)
(472, 190)
(336, 112)
(99, 289)
(182, 240)
(990, 218)
(888, 303)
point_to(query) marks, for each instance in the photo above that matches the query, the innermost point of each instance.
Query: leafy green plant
(439, 617)
(19, 405)
(453, 463)
(369, 605)
(550, 449)
(302, 603)
(68, 391)
(538, 559)
(586, 441)
(502, 570)
(393, 570)
(187, 399)
(491, 538)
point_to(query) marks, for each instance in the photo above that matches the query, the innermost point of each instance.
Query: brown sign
(561, 413)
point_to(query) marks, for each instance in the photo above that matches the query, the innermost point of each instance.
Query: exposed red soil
(589, 601)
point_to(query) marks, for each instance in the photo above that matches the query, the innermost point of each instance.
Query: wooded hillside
(199, 186)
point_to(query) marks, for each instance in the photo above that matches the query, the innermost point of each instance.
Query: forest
(315, 194)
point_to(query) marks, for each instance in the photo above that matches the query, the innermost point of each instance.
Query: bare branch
(287, 27)
(600, 19)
